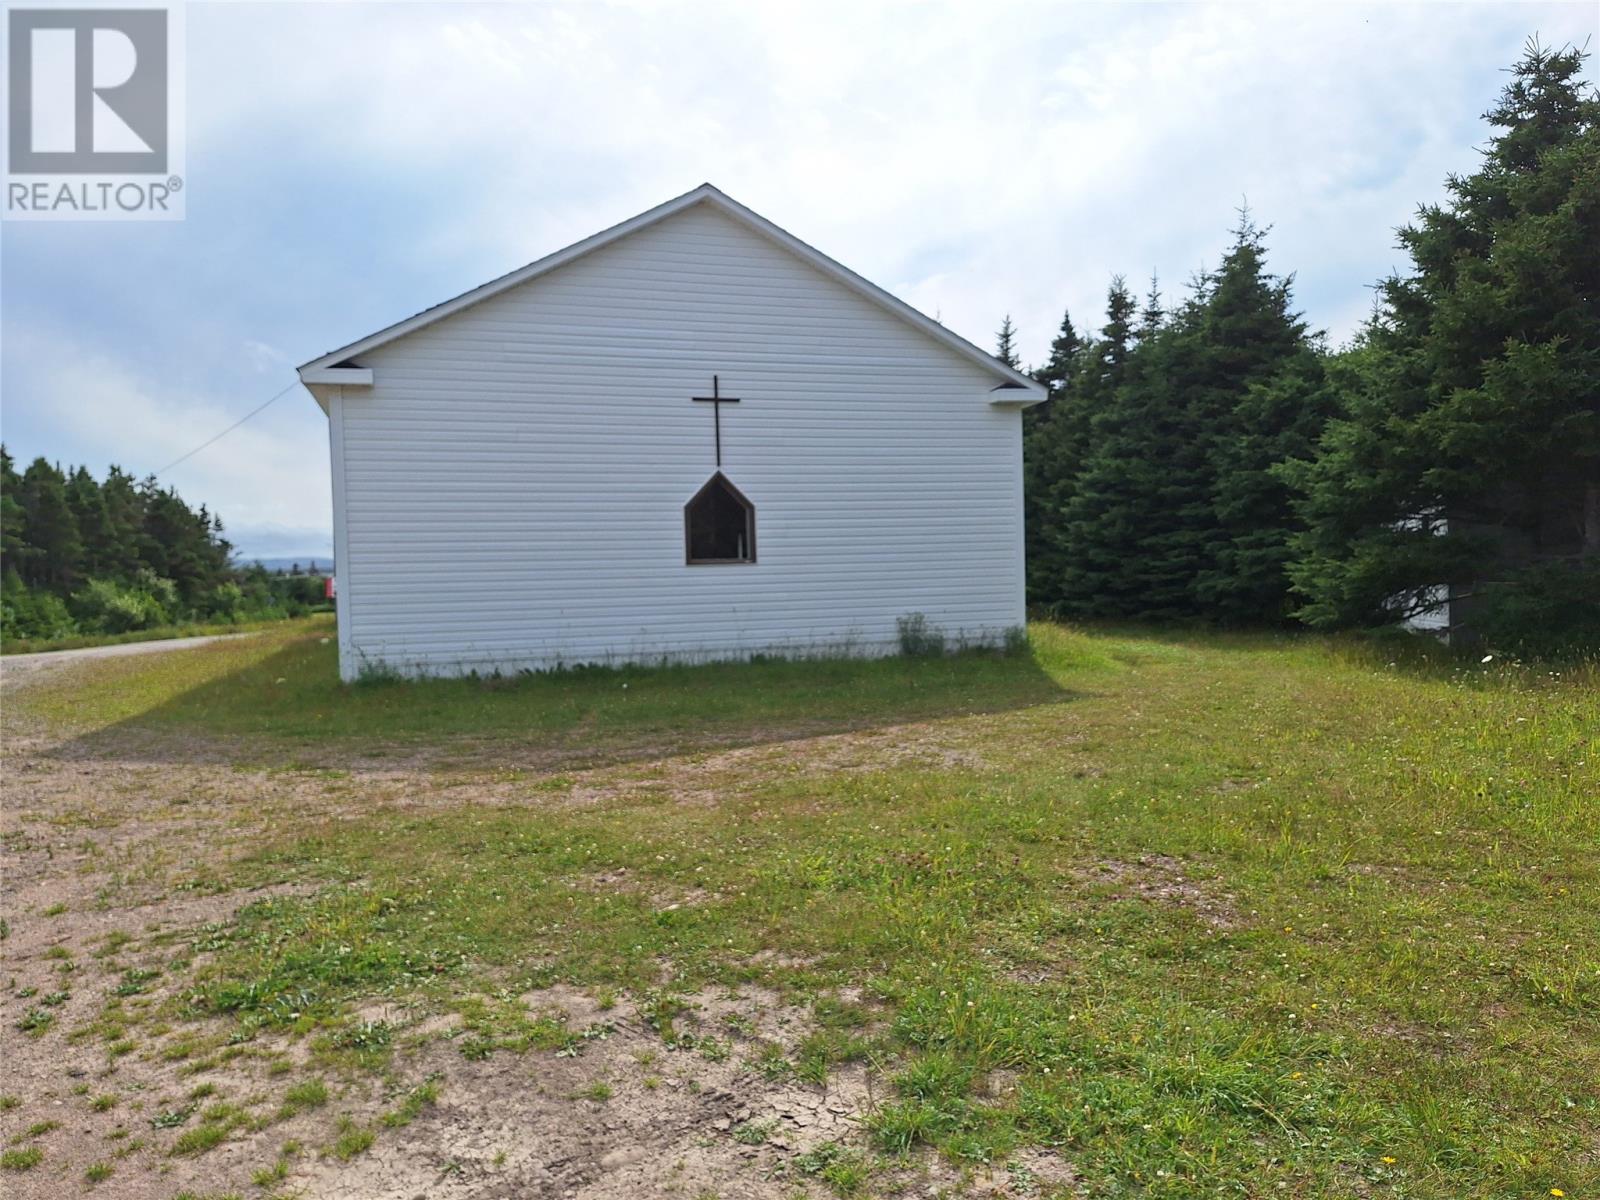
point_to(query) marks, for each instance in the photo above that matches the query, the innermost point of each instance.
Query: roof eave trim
(1011, 395)
(344, 376)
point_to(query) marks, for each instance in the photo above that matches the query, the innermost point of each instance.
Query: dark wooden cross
(717, 400)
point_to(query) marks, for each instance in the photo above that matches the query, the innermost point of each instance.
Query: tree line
(1207, 459)
(1215, 460)
(85, 556)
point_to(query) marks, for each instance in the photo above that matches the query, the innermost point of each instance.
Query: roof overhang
(1012, 395)
(343, 376)
(1019, 390)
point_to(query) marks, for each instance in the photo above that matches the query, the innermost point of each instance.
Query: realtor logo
(90, 93)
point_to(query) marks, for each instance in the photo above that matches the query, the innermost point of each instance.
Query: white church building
(688, 437)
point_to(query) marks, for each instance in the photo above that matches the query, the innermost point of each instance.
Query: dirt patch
(619, 881)
(627, 1113)
(1162, 879)
(114, 852)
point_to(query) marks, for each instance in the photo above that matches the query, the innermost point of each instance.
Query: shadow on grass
(288, 708)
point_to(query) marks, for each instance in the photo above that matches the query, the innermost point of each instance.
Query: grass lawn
(1232, 915)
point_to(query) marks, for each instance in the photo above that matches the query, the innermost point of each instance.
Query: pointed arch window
(719, 524)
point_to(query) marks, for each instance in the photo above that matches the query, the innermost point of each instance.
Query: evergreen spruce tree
(1058, 369)
(101, 556)
(53, 556)
(124, 506)
(1005, 345)
(1054, 435)
(1098, 520)
(13, 534)
(1152, 315)
(1279, 417)
(1468, 449)
(1253, 391)
(1176, 513)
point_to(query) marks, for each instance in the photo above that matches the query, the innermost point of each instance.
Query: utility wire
(229, 429)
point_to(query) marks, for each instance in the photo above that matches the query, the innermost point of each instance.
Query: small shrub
(33, 615)
(918, 638)
(1546, 611)
(377, 674)
(103, 606)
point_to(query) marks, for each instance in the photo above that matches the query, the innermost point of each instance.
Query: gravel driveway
(18, 668)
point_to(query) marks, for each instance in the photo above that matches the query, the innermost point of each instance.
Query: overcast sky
(348, 165)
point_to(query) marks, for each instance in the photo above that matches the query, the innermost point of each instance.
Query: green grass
(24, 1159)
(1243, 915)
(216, 1123)
(412, 1105)
(281, 691)
(352, 1140)
(303, 1096)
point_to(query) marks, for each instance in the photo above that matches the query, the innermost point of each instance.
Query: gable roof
(1020, 388)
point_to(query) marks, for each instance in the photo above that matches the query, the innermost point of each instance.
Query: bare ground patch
(629, 1113)
(1162, 879)
(114, 854)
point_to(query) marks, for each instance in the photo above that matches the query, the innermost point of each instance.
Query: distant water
(311, 566)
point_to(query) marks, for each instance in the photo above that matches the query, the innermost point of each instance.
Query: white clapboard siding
(510, 488)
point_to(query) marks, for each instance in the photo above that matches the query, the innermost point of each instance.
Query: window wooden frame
(718, 479)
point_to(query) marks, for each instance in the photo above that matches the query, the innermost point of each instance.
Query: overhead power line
(213, 440)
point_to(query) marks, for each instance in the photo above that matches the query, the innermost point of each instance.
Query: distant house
(688, 437)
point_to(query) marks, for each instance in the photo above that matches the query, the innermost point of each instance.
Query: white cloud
(1053, 144)
(976, 159)
(260, 477)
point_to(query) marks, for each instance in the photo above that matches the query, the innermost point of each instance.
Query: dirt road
(19, 668)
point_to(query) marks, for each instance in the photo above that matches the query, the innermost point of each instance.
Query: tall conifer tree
(1468, 452)
(1005, 344)
(1054, 434)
